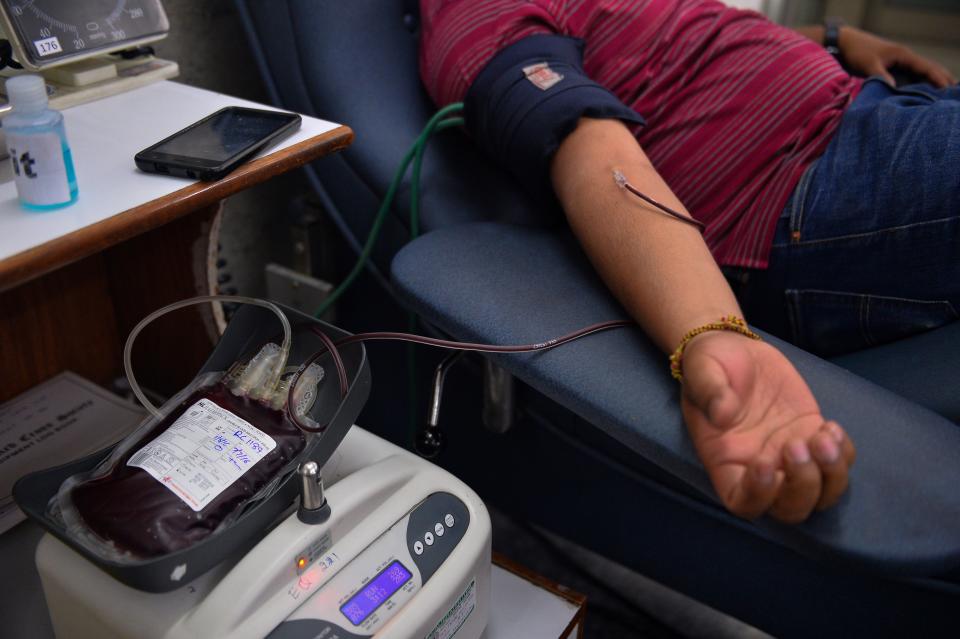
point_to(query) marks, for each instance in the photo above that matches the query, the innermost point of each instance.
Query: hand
(759, 431)
(867, 55)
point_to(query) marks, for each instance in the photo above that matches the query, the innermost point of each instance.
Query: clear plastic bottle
(37, 143)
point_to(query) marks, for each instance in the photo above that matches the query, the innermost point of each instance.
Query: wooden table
(74, 281)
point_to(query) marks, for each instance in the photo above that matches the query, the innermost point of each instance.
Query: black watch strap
(831, 36)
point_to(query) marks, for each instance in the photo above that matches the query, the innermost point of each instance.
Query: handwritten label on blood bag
(202, 453)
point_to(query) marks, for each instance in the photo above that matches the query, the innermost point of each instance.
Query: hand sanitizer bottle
(37, 142)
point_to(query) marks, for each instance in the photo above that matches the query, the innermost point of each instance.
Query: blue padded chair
(599, 452)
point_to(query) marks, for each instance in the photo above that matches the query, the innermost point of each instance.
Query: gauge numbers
(51, 30)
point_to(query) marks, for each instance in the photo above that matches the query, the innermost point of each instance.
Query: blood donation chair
(598, 452)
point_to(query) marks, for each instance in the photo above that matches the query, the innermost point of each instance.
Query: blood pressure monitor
(46, 33)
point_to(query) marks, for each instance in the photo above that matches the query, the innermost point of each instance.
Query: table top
(117, 200)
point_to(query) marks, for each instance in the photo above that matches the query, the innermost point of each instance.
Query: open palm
(759, 431)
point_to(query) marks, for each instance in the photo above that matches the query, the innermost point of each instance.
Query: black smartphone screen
(217, 144)
(222, 136)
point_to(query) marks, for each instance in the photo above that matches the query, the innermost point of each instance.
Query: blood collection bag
(210, 455)
(222, 444)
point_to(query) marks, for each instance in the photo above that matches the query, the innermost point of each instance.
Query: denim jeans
(868, 247)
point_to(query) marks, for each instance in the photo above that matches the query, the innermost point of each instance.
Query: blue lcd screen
(380, 588)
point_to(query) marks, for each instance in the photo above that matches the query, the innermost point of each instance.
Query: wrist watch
(831, 36)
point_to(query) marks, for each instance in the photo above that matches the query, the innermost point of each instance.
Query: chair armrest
(505, 284)
(924, 368)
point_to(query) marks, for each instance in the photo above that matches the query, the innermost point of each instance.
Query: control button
(418, 547)
(428, 538)
(439, 530)
(449, 520)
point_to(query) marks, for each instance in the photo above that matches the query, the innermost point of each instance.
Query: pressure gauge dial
(45, 33)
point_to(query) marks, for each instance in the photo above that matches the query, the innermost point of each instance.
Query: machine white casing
(372, 485)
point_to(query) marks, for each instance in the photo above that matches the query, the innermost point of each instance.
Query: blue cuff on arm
(519, 124)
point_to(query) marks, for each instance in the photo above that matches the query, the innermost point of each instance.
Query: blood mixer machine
(393, 547)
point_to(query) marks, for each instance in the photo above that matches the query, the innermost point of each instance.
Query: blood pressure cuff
(528, 99)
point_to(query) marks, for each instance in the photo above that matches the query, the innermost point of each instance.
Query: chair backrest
(355, 62)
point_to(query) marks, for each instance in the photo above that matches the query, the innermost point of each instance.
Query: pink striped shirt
(736, 106)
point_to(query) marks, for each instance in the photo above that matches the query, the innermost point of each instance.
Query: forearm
(658, 267)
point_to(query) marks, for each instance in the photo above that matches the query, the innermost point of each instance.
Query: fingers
(938, 75)
(790, 481)
(802, 484)
(826, 450)
(847, 450)
(816, 473)
(878, 68)
(754, 491)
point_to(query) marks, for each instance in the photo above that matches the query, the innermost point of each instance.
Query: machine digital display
(46, 32)
(382, 587)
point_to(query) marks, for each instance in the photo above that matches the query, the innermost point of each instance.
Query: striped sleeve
(459, 38)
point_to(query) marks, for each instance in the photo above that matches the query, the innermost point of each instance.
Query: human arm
(866, 54)
(532, 107)
(754, 422)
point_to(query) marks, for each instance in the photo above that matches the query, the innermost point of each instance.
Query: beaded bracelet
(730, 323)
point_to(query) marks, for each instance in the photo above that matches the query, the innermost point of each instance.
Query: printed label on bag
(39, 169)
(203, 452)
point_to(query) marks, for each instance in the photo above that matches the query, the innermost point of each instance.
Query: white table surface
(104, 136)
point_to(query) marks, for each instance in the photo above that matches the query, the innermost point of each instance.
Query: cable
(415, 176)
(128, 347)
(341, 376)
(412, 385)
(623, 183)
(334, 349)
(486, 348)
(387, 203)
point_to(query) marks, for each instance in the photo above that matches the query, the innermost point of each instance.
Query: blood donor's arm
(755, 424)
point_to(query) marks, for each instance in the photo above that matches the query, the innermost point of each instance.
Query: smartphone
(217, 144)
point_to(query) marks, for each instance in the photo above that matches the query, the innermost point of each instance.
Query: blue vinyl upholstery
(925, 368)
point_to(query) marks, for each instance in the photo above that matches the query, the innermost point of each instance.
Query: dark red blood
(130, 508)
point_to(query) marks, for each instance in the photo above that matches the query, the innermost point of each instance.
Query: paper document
(62, 419)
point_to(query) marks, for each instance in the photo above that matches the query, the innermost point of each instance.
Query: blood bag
(222, 444)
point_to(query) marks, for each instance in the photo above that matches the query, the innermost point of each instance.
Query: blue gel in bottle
(38, 147)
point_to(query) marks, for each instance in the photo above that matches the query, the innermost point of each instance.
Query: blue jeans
(868, 247)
